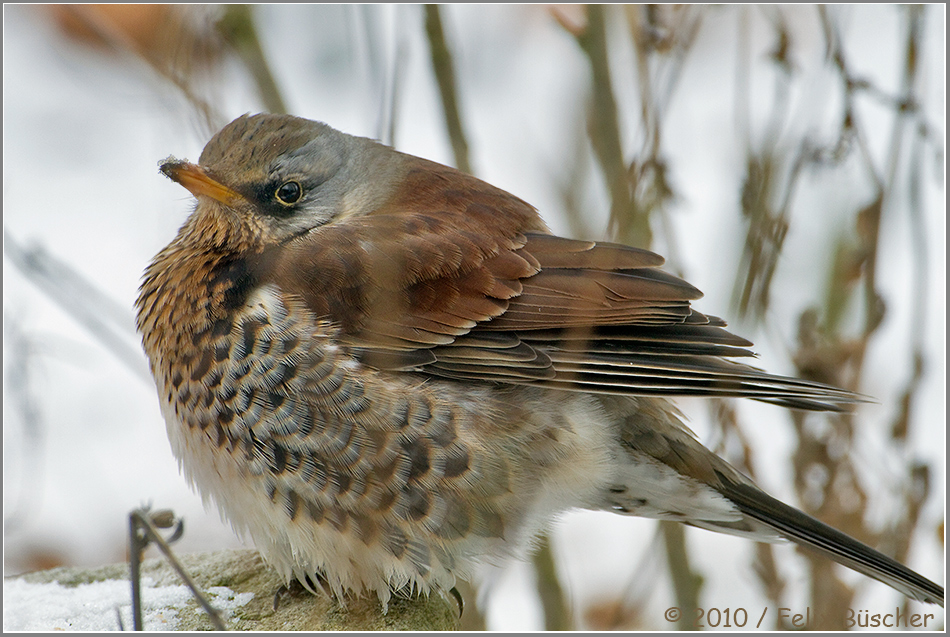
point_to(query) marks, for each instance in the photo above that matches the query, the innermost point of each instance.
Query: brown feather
(468, 272)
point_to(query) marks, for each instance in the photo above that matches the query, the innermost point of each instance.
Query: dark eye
(289, 193)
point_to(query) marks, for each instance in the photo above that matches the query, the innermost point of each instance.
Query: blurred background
(787, 160)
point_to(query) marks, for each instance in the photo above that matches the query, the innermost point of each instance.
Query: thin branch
(19, 359)
(604, 130)
(238, 29)
(444, 70)
(557, 612)
(686, 582)
(105, 319)
(142, 531)
(163, 66)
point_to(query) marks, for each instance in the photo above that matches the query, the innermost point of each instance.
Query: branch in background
(918, 486)
(166, 38)
(238, 29)
(765, 237)
(772, 582)
(557, 614)
(920, 298)
(110, 323)
(107, 321)
(391, 105)
(825, 352)
(769, 181)
(444, 70)
(662, 37)
(604, 130)
(628, 610)
(687, 583)
(26, 496)
(385, 68)
(774, 174)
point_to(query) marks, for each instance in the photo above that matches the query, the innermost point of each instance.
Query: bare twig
(604, 130)
(175, 66)
(142, 530)
(108, 321)
(557, 614)
(444, 70)
(687, 583)
(19, 359)
(238, 29)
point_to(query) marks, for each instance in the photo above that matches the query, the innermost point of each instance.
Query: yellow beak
(197, 180)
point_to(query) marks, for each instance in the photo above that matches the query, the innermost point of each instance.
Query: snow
(97, 606)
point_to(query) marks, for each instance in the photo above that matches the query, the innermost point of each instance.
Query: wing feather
(464, 282)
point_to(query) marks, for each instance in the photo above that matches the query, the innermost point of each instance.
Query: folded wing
(470, 287)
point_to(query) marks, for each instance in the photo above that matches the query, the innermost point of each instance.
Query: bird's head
(265, 179)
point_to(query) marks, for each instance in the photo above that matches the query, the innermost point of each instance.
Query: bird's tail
(794, 525)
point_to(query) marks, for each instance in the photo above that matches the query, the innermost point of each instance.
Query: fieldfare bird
(386, 370)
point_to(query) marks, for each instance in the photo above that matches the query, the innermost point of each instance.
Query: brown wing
(419, 273)
(461, 281)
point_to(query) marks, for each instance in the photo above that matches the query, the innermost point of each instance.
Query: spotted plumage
(386, 371)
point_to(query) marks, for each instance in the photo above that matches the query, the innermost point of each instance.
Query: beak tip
(197, 180)
(170, 167)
